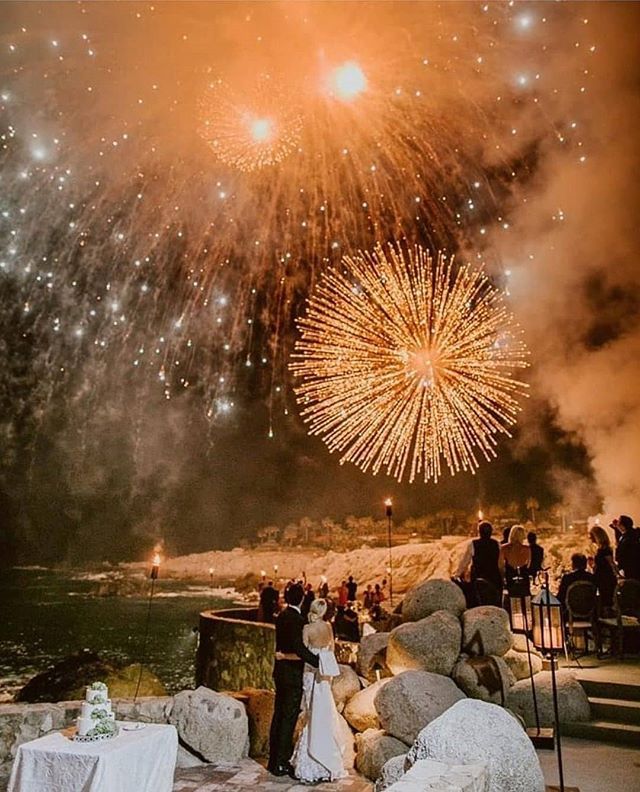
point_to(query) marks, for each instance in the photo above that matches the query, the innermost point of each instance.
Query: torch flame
(156, 559)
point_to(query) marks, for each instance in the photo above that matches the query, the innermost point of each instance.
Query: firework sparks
(406, 361)
(254, 130)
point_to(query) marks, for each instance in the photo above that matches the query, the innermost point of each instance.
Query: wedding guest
(604, 571)
(309, 597)
(367, 599)
(377, 599)
(505, 535)
(578, 572)
(351, 626)
(323, 591)
(352, 588)
(269, 603)
(343, 594)
(515, 559)
(482, 555)
(628, 550)
(537, 555)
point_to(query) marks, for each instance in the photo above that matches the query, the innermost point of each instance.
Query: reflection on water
(46, 615)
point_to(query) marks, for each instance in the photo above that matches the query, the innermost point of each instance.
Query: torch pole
(154, 577)
(389, 505)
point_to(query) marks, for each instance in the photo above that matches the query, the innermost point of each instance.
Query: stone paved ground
(247, 774)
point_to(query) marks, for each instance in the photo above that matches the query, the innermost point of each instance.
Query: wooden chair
(626, 616)
(580, 615)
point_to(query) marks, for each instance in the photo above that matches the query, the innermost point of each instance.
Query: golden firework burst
(252, 129)
(406, 360)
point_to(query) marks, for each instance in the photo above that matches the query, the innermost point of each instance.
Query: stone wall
(20, 723)
(235, 650)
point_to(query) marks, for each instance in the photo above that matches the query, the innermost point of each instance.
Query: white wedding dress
(318, 755)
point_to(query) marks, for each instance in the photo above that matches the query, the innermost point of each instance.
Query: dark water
(46, 615)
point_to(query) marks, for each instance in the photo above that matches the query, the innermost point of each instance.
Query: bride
(318, 755)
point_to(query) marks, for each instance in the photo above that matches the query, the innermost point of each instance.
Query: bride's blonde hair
(317, 610)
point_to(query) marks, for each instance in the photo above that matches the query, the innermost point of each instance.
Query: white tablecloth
(134, 761)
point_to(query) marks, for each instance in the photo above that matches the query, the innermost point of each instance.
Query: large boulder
(67, 679)
(431, 644)
(344, 686)
(258, 705)
(374, 748)
(474, 731)
(486, 631)
(211, 724)
(347, 744)
(486, 678)
(411, 700)
(427, 774)
(519, 664)
(573, 704)
(360, 711)
(519, 644)
(431, 596)
(372, 655)
(392, 770)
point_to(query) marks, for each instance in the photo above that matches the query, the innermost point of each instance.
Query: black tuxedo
(287, 675)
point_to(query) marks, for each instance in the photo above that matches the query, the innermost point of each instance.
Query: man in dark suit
(579, 572)
(628, 550)
(269, 597)
(537, 555)
(287, 675)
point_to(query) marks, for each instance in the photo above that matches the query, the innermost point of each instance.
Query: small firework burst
(251, 130)
(407, 361)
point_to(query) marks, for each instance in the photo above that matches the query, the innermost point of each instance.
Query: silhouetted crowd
(346, 611)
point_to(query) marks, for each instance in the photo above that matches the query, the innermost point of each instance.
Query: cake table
(133, 761)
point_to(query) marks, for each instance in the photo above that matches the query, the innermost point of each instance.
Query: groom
(287, 675)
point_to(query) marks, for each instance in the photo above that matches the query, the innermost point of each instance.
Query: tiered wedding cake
(96, 717)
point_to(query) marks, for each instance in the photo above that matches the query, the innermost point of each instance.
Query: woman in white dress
(318, 755)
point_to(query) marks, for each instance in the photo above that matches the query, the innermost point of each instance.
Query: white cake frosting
(96, 715)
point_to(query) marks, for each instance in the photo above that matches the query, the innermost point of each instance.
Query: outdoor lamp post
(548, 637)
(389, 512)
(521, 618)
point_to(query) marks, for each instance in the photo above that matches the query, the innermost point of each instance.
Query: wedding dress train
(318, 755)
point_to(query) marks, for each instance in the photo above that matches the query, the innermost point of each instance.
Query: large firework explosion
(407, 361)
(165, 213)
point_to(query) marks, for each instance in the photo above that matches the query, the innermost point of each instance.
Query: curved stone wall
(235, 650)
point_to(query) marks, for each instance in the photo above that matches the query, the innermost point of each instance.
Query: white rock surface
(486, 631)
(431, 596)
(375, 748)
(411, 700)
(474, 731)
(431, 644)
(426, 775)
(486, 678)
(360, 711)
(212, 724)
(344, 686)
(573, 704)
(392, 771)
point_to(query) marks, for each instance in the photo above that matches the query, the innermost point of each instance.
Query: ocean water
(46, 615)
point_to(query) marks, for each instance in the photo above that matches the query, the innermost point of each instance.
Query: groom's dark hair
(294, 594)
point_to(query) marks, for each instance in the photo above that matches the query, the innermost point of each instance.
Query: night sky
(153, 259)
